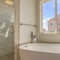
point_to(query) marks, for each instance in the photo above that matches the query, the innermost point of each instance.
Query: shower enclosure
(6, 30)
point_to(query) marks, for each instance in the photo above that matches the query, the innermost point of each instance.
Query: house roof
(58, 16)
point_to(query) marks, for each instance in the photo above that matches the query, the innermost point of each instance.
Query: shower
(6, 31)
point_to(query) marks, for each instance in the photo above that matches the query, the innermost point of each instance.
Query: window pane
(48, 16)
(58, 14)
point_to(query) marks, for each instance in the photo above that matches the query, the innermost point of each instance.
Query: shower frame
(16, 28)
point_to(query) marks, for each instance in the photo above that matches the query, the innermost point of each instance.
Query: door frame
(16, 28)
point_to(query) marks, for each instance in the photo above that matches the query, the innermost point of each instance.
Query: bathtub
(39, 51)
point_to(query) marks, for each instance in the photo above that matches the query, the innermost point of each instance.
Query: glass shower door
(6, 30)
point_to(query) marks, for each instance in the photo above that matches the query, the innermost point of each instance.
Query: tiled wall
(6, 44)
(27, 16)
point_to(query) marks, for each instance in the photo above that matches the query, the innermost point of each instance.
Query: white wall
(28, 16)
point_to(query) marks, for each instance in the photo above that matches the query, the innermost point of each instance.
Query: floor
(7, 57)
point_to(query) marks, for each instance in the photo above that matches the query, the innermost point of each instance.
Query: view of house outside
(49, 21)
(51, 24)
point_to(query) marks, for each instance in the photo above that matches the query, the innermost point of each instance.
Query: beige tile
(7, 57)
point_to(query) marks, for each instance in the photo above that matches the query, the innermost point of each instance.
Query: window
(59, 23)
(59, 30)
(50, 16)
(52, 23)
(52, 31)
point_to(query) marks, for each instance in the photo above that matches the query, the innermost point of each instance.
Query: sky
(49, 11)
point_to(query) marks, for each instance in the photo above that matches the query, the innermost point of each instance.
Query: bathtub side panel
(32, 55)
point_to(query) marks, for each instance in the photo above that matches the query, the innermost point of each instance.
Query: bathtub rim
(36, 50)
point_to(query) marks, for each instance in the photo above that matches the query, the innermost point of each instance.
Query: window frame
(41, 19)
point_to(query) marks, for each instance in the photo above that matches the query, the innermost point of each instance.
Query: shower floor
(7, 57)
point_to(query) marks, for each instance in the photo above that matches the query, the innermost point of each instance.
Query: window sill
(50, 33)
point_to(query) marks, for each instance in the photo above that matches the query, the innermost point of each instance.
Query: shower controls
(33, 37)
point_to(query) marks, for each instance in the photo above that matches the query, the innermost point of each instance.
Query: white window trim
(41, 20)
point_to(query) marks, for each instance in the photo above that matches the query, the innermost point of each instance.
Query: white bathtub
(40, 51)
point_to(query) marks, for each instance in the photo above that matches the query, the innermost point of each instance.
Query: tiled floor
(7, 57)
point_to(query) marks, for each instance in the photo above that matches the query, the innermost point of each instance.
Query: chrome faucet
(33, 37)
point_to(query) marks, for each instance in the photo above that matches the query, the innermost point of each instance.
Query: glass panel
(48, 16)
(6, 30)
(58, 14)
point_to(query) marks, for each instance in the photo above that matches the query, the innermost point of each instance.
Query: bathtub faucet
(33, 38)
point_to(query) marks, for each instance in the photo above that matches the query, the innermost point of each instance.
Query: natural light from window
(51, 16)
